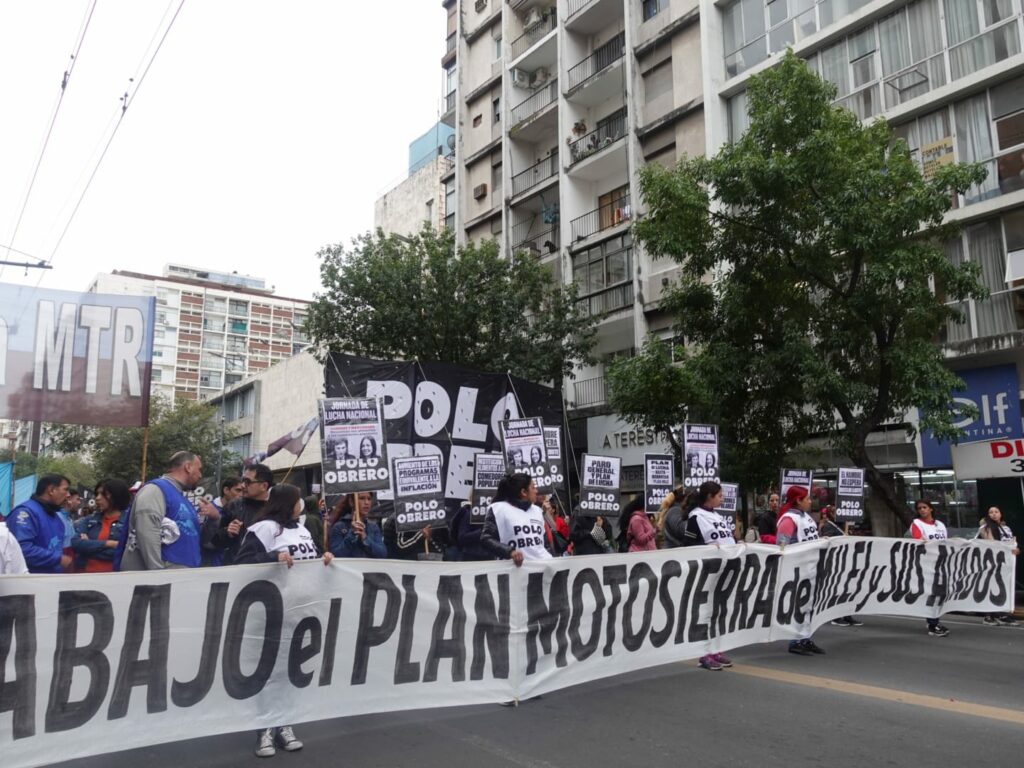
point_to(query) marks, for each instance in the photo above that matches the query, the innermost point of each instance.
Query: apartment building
(213, 329)
(418, 199)
(556, 104)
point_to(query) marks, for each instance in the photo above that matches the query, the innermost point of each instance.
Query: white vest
(934, 530)
(1005, 534)
(276, 538)
(714, 528)
(522, 530)
(806, 528)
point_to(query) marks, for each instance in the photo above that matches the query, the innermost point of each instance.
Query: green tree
(24, 462)
(78, 470)
(421, 298)
(187, 425)
(814, 284)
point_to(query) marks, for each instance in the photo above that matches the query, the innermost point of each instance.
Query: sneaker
(852, 622)
(938, 631)
(799, 649)
(722, 659)
(810, 646)
(842, 621)
(710, 663)
(286, 738)
(992, 621)
(1007, 621)
(265, 743)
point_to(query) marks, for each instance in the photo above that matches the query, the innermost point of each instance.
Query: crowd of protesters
(157, 525)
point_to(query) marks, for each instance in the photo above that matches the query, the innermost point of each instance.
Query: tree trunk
(882, 487)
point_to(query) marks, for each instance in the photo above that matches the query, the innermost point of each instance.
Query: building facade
(556, 104)
(212, 329)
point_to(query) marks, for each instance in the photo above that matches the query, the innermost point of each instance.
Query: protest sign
(488, 469)
(659, 479)
(522, 442)
(599, 486)
(850, 495)
(700, 454)
(730, 500)
(75, 358)
(442, 409)
(419, 502)
(93, 663)
(352, 446)
(549, 476)
(794, 477)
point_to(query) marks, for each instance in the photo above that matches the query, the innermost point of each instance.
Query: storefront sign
(996, 458)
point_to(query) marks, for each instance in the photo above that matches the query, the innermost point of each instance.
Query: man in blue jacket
(39, 528)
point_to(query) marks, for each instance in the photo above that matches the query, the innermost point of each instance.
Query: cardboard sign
(700, 454)
(549, 476)
(599, 486)
(419, 493)
(850, 495)
(659, 479)
(488, 469)
(353, 450)
(522, 442)
(730, 500)
(794, 477)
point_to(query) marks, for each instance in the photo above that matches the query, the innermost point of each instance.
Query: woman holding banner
(994, 529)
(277, 537)
(795, 525)
(514, 526)
(927, 528)
(705, 526)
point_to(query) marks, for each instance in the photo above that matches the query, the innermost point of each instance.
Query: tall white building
(557, 104)
(212, 329)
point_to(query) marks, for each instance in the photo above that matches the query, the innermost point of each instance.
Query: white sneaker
(286, 738)
(265, 743)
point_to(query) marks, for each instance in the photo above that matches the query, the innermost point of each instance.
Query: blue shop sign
(995, 392)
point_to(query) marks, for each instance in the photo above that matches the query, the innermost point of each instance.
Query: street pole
(223, 413)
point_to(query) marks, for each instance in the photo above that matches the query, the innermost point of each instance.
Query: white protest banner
(522, 442)
(353, 447)
(419, 495)
(794, 477)
(730, 500)
(995, 458)
(850, 495)
(700, 454)
(549, 476)
(488, 469)
(599, 486)
(91, 663)
(659, 479)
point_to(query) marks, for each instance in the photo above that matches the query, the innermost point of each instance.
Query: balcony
(529, 107)
(608, 216)
(535, 174)
(609, 300)
(539, 243)
(590, 16)
(591, 391)
(526, 41)
(607, 133)
(597, 62)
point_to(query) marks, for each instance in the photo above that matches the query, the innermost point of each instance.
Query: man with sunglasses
(257, 480)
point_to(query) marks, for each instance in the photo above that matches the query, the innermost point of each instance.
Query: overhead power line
(53, 121)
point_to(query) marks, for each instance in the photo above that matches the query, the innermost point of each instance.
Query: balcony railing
(449, 102)
(534, 104)
(535, 174)
(591, 391)
(543, 242)
(606, 134)
(608, 300)
(525, 41)
(607, 216)
(575, 6)
(451, 43)
(598, 61)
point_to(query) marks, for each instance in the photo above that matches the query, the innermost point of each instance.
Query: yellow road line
(886, 694)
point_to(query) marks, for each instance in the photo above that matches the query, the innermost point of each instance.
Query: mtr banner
(97, 663)
(75, 358)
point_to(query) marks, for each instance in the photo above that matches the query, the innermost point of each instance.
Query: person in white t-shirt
(12, 561)
(277, 537)
(514, 525)
(927, 528)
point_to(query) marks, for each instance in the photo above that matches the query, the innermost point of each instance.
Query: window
(658, 82)
(496, 111)
(603, 275)
(650, 8)
(478, 120)
(429, 211)
(496, 182)
(977, 34)
(497, 48)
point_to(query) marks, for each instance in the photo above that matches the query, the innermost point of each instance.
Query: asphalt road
(886, 694)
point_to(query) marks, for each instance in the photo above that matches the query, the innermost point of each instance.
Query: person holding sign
(796, 525)
(705, 526)
(277, 537)
(514, 526)
(927, 528)
(589, 535)
(355, 535)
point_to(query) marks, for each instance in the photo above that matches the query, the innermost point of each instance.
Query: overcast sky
(263, 130)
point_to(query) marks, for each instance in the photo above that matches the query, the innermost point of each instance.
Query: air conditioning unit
(479, 191)
(520, 79)
(533, 19)
(540, 77)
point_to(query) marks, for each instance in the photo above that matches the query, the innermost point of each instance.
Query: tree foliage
(814, 284)
(421, 298)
